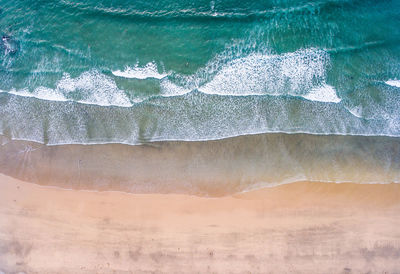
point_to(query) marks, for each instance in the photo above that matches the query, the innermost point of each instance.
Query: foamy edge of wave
(56, 98)
(121, 142)
(266, 185)
(150, 70)
(95, 89)
(177, 92)
(287, 74)
(297, 74)
(324, 93)
(50, 95)
(393, 83)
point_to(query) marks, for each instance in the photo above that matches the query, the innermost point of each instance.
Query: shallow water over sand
(211, 168)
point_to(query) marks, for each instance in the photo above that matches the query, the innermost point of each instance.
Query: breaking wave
(301, 74)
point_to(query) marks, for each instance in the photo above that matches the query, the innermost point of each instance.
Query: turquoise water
(120, 71)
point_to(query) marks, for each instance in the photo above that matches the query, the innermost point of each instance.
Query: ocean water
(144, 73)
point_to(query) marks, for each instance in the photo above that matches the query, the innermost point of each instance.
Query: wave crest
(300, 73)
(137, 72)
(393, 83)
(91, 87)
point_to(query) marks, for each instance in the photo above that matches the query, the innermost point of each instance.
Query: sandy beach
(296, 228)
(186, 136)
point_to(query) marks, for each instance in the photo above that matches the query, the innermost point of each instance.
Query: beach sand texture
(295, 228)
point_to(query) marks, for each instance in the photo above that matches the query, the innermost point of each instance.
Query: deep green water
(97, 71)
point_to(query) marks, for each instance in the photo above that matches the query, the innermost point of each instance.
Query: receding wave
(212, 168)
(192, 117)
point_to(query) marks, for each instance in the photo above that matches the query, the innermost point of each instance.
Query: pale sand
(296, 228)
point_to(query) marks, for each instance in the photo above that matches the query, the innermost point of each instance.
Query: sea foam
(324, 93)
(93, 87)
(300, 73)
(42, 93)
(148, 71)
(394, 83)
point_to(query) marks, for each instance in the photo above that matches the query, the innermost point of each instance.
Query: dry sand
(298, 228)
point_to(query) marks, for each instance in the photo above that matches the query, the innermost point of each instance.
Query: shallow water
(210, 168)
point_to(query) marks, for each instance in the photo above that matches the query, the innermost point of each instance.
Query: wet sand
(296, 228)
(209, 168)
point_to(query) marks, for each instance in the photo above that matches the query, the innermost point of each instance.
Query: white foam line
(95, 89)
(41, 93)
(266, 185)
(46, 97)
(148, 71)
(291, 74)
(228, 136)
(356, 111)
(324, 93)
(393, 83)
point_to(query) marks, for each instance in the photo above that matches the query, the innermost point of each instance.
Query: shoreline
(212, 168)
(304, 227)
